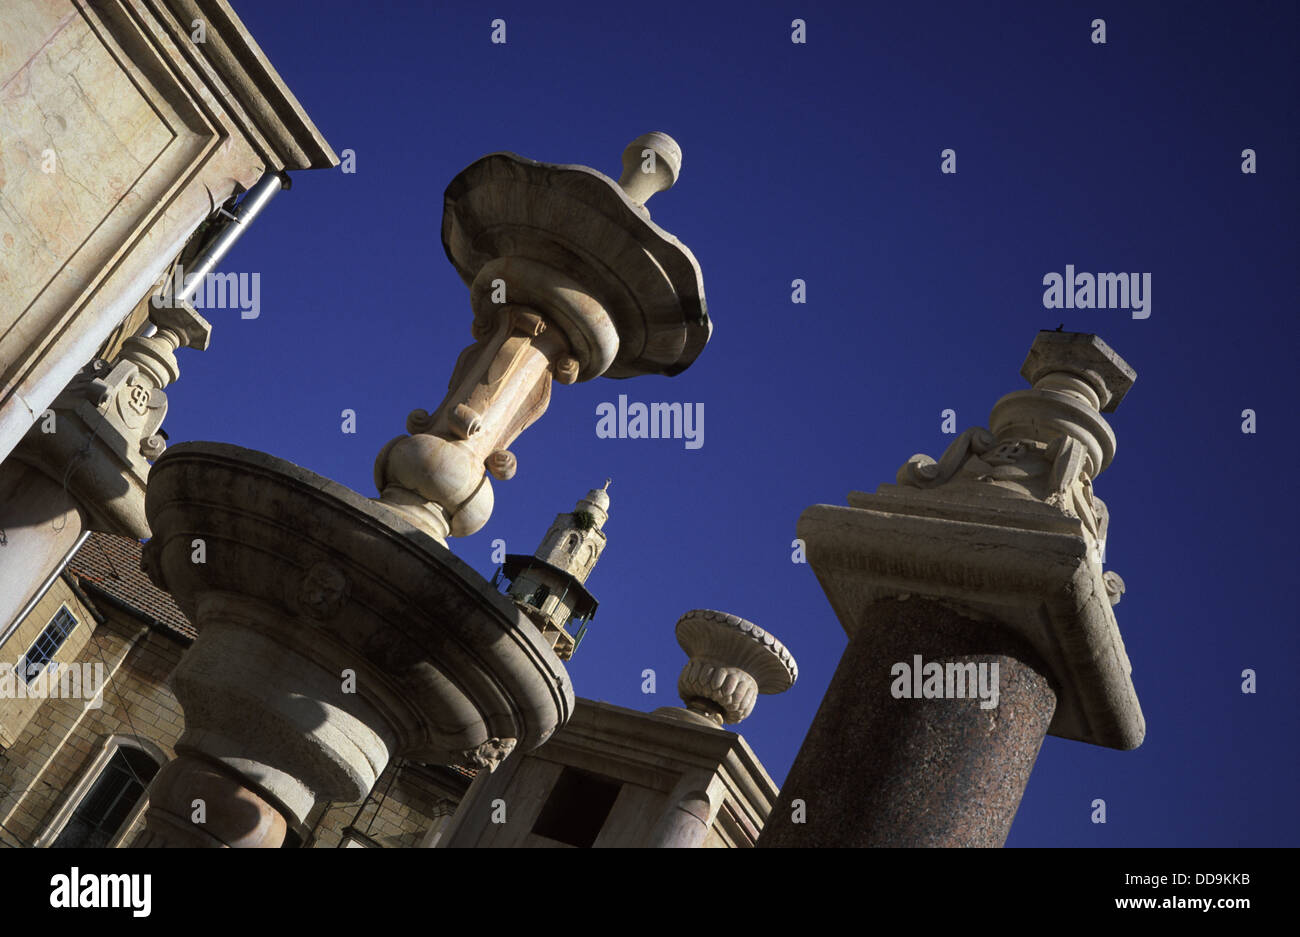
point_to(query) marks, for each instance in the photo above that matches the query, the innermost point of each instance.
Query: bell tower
(549, 586)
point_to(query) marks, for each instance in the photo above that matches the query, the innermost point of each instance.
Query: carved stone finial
(1045, 444)
(147, 365)
(1076, 378)
(178, 325)
(1057, 357)
(731, 661)
(110, 417)
(651, 163)
(1007, 525)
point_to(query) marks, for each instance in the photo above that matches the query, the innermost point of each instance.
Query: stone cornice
(241, 77)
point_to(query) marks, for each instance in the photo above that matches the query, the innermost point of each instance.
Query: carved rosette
(731, 661)
(106, 423)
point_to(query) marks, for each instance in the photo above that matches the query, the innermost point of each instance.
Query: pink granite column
(991, 556)
(880, 771)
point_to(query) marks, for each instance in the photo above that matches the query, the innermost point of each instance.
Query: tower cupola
(550, 586)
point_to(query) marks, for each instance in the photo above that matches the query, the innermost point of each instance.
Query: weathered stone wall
(62, 738)
(15, 713)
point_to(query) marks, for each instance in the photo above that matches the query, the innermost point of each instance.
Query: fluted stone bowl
(732, 660)
(578, 221)
(446, 669)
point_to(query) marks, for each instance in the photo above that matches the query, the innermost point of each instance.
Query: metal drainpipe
(249, 207)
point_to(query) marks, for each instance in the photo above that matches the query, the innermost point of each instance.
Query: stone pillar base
(193, 803)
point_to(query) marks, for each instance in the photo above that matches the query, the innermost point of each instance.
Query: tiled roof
(111, 565)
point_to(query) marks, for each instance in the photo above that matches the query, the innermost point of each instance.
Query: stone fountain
(338, 631)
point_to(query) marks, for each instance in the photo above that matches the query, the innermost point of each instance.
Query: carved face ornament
(323, 591)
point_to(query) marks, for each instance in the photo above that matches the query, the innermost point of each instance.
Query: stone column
(938, 772)
(499, 387)
(194, 802)
(987, 562)
(269, 728)
(685, 824)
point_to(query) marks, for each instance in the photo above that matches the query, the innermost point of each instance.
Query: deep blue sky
(821, 161)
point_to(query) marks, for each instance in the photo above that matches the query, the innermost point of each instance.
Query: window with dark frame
(576, 810)
(109, 803)
(46, 645)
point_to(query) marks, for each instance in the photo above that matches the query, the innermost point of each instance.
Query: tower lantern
(549, 586)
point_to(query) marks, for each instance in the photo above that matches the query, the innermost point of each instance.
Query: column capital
(1006, 526)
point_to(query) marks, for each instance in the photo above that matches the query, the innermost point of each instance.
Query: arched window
(108, 799)
(572, 543)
